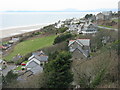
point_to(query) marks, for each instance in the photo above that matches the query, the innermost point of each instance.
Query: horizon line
(97, 10)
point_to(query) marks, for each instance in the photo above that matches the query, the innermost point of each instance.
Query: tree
(10, 77)
(62, 29)
(62, 37)
(57, 72)
(87, 16)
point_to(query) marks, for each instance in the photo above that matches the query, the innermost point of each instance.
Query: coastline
(9, 32)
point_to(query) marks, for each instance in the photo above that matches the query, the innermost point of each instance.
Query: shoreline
(9, 32)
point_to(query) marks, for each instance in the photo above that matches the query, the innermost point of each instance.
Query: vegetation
(87, 16)
(62, 37)
(99, 71)
(97, 79)
(10, 77)
(49, 29)
(19, 68)
(116, 20)
(57, 71)
(62, 29)
(29, 46)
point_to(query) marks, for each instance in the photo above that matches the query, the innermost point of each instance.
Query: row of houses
(86, 27)
(79, 26)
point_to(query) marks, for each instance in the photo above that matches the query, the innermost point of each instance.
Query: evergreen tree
(57, 72)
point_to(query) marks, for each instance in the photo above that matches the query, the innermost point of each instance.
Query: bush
(10, 77)
(62, 37)
(37, 33)
(63, 29)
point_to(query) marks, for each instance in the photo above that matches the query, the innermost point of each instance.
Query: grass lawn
(29, 46)
(19, 68)
(25, 62)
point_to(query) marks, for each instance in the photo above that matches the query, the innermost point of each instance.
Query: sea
(19, 19)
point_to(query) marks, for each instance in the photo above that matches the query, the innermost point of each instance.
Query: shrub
(10, 77)
(62, 29)
(62, 37)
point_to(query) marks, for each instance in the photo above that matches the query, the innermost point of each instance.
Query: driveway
(8, 68)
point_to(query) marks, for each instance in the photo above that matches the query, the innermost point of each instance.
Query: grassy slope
(31, 45)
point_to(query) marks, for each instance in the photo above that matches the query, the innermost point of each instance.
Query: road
(8, 68)
(107, 28)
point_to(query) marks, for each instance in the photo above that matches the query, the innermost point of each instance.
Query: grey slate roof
(85, 42)
(36, 69)
(81, 42)
(38, 53)
(85, 52)
(32, 63)
(40, 56)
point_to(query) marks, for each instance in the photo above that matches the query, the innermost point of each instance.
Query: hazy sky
(51, 5)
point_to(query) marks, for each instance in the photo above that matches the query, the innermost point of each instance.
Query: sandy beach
(19, 30)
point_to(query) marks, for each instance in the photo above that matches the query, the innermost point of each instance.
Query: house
(14, 40)
(100, 16)
(89, 28)
(75, 28)
(80, 48)
(85, 27)
(36, 62)
(59, 24)
(24, 76)
(108, 15)
(75, 21)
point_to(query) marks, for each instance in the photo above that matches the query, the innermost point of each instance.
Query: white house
(85, 27)
(59, 24)
(100, 16)
(75, 21)
(76, 28)
(108, 14)
(89, 28)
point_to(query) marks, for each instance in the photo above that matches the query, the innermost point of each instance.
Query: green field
(29, 46)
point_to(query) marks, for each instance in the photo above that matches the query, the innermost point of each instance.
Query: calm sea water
(14, 19)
